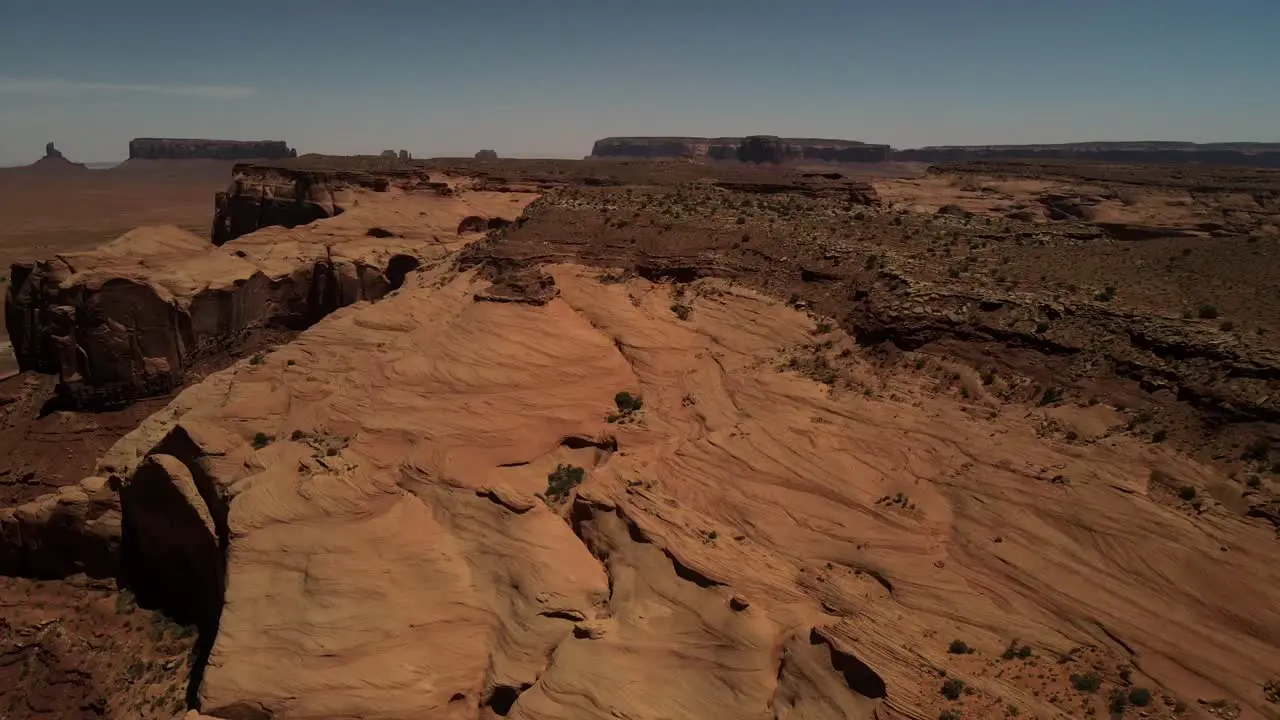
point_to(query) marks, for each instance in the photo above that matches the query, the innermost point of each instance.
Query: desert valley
(691, 428)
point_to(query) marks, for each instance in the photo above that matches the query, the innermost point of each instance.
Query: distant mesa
(395, 155)
(1239, 153)
(756, 148)
(196, 149)
(771, 149)
(487, 154)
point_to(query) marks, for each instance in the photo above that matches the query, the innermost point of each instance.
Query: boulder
(171, 552)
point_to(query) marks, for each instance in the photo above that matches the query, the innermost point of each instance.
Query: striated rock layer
(189, 149)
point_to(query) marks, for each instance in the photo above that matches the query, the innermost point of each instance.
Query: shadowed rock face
(762, 149)
(190, 149)
(260, 197)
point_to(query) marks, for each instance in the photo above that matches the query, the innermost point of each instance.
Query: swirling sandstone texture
(190, 149)
(729, 555)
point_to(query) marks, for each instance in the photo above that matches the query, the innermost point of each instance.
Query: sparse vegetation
(258, 359)
(1086, 682)
(1207, 312)
(950, 715)
(628, 403)
(1016, 651)
(1271, 691)
(952, 689)
(126, 603)
(1050, 396)
(1187, 493)
(1139, 697)
(562, 480)
(681, 310)
(959, 647)
(261, 440)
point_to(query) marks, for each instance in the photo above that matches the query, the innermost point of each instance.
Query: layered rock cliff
(192, 149)
(130, 319)
(261, 196)
(727, 148)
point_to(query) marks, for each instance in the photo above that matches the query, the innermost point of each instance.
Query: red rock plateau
(539, 439)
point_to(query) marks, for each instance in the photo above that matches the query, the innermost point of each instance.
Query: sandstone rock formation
(585, 469)
(188, 149)
(263, 195)
(728, 559)
(129, 319)
(726, 148)
(388, 154)
(486, 154)
(404, 155)
(50, 152)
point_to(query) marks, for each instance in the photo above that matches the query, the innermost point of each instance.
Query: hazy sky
(547, 77)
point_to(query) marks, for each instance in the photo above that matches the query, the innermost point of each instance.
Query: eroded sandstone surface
(724, 448)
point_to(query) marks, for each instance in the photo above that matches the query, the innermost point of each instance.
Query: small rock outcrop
(486, 154)
(262, 196)
(193, 149)
(75, 530)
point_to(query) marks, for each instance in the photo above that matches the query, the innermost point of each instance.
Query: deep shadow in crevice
(503, 698)
(399, 267)
(857, 675)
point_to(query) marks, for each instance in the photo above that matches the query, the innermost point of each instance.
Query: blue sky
(547, 77)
